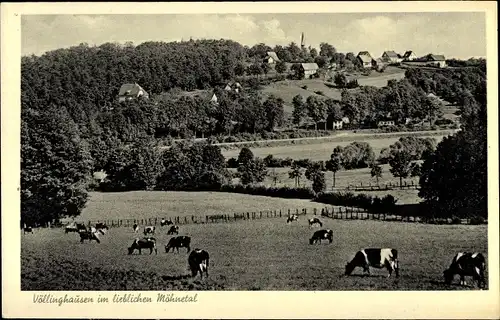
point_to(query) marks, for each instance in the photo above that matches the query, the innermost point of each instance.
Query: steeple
(302, 41)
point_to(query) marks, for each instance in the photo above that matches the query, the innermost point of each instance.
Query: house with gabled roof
(271, 57)
(436, 59)
(131, 91)
(365, 58)
(308, 70)
(409, 56)
(391, 57)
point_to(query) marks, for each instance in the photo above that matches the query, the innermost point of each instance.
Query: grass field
(263, 254)
(151, 204)
(322, 150)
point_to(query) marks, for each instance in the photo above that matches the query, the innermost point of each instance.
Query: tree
(280, 67)
(265, 68)
(433, 108)
(274, 176)
(274, 110)
(376, 171)
(321, 61)
(327, 50)
(299, 110)
(295, 173)
(253, 171)
(315, 174)
(315, 109)
(335, 163)
(340, 80)
(144, 167)
(401, 164)
(245, 156)
(55, 166)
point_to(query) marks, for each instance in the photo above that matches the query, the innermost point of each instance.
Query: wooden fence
(383, 187)
(219, 218)
(342, 213)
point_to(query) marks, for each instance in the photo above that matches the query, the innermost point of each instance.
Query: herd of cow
(198, 259)
(463, 263)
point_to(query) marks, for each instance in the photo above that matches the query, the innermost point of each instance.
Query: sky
(454, 34)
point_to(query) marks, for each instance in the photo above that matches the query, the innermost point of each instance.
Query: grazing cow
(467, 264)
(88, 235)
(313, 221)
(178, 242)
(75, 227)
(292, 218)
(164, 222)
(149, 230)
(101, 226)
(145, 243)
(321, 235)
(173, 229)
(375, 258)
(136, 228)
(198, 261)
(27, 229)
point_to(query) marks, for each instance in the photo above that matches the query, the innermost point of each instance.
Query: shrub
(477, 220)
(319, 92)
(278, 192)
(232, 163)
(304, 87)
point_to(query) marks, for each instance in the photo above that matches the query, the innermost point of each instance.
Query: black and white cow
(27, 229)
(149, 230)
(164, 222)
(321, 235)
(314, 221)
(467, 264)
(75, 227)
(375, 258)
(88, 235)
(198, 261)
(145, 243)
(173, 230)
(292, 218)
(178, 242)
(136, 228)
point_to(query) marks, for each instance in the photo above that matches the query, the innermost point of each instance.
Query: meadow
(159, 204)
(265, 254)
(320, 150)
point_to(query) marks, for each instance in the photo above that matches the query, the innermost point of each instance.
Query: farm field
(322, 150)
(159, 204)
(265, 254)
(346, 178)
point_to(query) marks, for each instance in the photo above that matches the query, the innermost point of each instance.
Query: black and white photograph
(325, 151)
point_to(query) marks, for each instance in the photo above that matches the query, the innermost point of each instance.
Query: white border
(239, 304)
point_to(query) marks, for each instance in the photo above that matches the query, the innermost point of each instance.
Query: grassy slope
(151, 204)
(249, 255)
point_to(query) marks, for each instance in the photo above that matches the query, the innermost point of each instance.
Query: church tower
(302, 41)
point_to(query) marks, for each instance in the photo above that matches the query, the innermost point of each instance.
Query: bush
(232, 163)
(278, 192)
(477, 220)
(304, 87)
(319, 92)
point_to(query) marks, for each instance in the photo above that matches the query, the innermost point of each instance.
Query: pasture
(322, 150)
(161, 204)
(265, 254)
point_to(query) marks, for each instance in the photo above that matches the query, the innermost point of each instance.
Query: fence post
(280, 213)
(288, 212)
(314, 211)
(305, 211)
